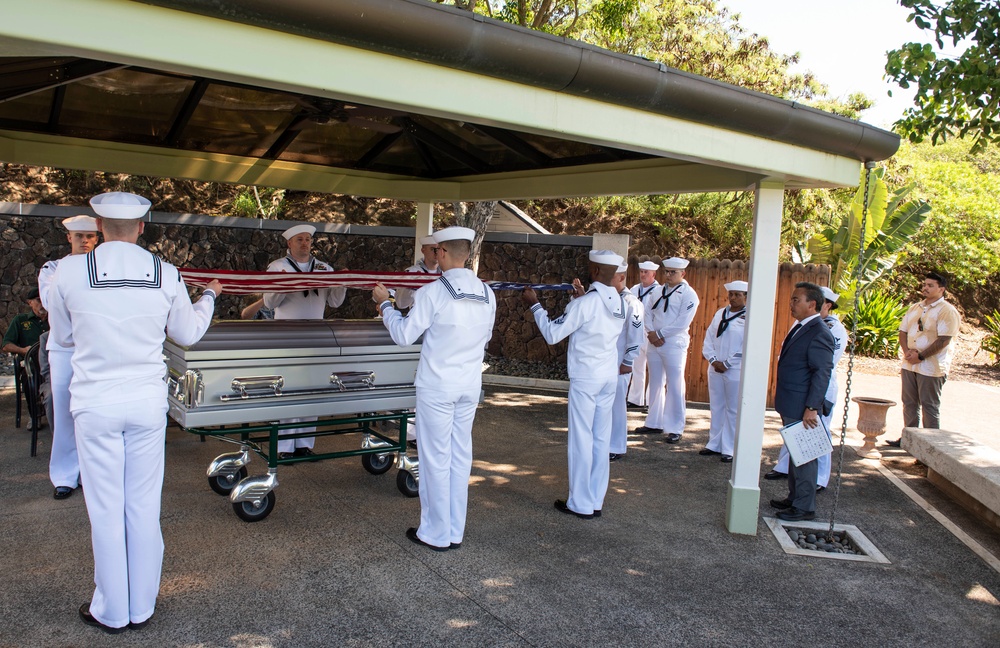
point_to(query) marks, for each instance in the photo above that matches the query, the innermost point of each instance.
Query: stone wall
(29, 241)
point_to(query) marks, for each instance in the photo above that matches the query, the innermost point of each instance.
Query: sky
(843, 43)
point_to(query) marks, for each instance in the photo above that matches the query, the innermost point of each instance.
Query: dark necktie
(791, 334)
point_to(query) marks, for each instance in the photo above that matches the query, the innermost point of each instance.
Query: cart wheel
(247, 512)
(377, 464)
(406, 484)
(223, 484)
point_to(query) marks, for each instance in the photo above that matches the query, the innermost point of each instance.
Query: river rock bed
(836, 542)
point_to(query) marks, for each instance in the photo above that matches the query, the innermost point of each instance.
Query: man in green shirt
(25, 328)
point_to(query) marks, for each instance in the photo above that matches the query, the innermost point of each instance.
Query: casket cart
(244, 382)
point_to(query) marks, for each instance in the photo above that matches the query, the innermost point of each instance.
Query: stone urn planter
(871, 422)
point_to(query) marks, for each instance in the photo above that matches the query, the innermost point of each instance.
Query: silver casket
(266, 370)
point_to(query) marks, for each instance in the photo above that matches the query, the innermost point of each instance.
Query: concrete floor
(331, 566)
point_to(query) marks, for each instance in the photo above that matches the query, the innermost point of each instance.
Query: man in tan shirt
(925, 336)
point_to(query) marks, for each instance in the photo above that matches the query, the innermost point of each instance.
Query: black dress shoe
(774, 474)
(411, 444)
(898, 443)
(285, 455)
(632, 406)
(597, 512)
(726, 459)
(820, 489)
(615, 456)
(62, 492)
(781, 504)
(673, 437)
(794, 515)
(140, 625)
(306, 452)
(411, 533)
(706, 451)
(455, 545)
(89, 619)
(562, 508)
(647, 430)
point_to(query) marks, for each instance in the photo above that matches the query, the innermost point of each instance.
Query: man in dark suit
(804, 369)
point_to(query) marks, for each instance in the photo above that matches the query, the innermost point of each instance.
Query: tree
(889, 223)
(955, 95)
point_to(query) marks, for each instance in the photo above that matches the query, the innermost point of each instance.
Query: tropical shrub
(991, 343)
(878, 315)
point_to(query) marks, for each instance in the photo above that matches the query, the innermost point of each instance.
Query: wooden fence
(708, 278)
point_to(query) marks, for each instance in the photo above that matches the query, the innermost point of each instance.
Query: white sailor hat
(80, 224)
(829, 295)
(454, 234)
(606, 257)
(120, 205)
(737, 286)
(622, 269)
(675, 263)
(427, 240)
(295, 230)
(648, 265)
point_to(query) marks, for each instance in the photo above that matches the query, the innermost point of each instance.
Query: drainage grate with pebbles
(836, 542)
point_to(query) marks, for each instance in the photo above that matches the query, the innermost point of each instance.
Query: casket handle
(243, 386)
(348, 380)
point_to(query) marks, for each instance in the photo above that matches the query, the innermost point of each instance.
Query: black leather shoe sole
(411, 533)
(794, 515)
(774, 474)
(89, 619)
(562, 508)
(62, 492)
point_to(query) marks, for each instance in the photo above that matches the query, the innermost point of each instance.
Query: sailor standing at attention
(723, 348)
(300, 305)
(629, 342)
(64, 464)
(647, 286)
(668, 319)
(455, 314)
(593, 324)
(114, 306)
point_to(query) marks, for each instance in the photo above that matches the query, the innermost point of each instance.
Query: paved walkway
(331, 567)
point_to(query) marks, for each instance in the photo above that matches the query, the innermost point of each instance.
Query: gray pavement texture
(331, 566)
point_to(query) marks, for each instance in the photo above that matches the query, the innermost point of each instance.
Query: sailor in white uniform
(300, 305)
(64, 465)
(113, 307)
(723, 348)
(668, 318)
(428, 264)
(840, 343)
(593, 324)
(629, 342)
(637, 391)
(455, 314)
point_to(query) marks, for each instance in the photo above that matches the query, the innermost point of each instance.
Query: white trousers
(444, 442)
(289, 445)
(637, 392)
(723, 399)
(619, 416)
(590, 405)
(822, 463)
(666, 386)
(64, 464)
(121, 454)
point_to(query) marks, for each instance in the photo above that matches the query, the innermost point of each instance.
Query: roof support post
(743, 493)
(425, 227)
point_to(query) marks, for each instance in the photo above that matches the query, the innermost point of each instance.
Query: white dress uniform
(724, 342)
(455, 314)
(593, 323)
(824, 462)
(113, 307)
(301, 305)
(637, 391)
(64, 464)
(670, 313)
(629, 343)
(404, 296)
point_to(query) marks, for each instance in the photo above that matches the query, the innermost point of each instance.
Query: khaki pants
(921, 395)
